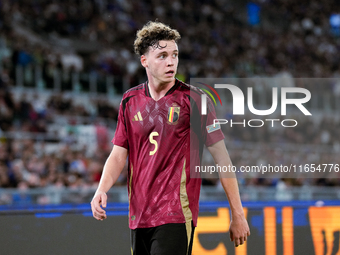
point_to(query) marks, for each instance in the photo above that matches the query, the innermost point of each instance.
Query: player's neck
(158, 89)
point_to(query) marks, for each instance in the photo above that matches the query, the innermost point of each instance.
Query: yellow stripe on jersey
(185, 202)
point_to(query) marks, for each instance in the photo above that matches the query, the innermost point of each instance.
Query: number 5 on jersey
(153, 141)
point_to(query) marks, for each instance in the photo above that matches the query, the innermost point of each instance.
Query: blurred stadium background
(63, 69)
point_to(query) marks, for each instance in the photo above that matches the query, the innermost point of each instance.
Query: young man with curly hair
(156, 132)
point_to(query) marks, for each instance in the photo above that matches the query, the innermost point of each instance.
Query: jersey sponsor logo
(213, 127)
(173, 114)
(137, 117)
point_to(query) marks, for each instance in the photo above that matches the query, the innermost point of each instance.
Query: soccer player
(155, 130)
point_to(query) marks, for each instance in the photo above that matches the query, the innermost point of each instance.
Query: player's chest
(167, 115)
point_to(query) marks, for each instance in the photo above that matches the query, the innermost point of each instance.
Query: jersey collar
(170, 91)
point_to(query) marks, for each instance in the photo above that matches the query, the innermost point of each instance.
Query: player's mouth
(170, 73)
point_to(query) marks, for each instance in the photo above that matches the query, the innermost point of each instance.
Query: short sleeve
(120, 137)
(213, 133)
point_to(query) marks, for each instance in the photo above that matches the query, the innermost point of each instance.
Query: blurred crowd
(34, 114)
(218, 40)
(24, 164)
(27, 162)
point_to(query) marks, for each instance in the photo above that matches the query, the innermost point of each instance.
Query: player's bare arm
(239, 229)
(112, 169)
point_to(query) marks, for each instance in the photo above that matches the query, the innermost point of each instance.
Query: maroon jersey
(157, 135)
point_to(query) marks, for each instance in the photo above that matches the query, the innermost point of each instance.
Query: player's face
(161, 62)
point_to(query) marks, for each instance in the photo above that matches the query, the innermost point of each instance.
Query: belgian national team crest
(173, 115)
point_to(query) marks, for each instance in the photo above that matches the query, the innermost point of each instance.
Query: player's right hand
(97, 204)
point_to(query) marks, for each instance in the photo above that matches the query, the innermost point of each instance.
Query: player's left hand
(239, 230)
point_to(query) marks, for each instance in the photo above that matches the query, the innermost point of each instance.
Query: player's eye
(174, 55)
(162, 56)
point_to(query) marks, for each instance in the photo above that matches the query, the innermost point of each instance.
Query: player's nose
(170, 61)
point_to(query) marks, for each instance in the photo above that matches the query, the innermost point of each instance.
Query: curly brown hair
(151, 34)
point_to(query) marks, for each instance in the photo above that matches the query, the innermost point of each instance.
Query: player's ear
(144, 61)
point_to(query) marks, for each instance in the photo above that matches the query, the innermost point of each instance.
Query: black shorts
(168, 239)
